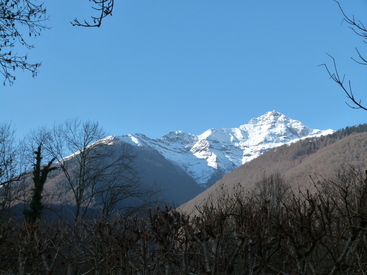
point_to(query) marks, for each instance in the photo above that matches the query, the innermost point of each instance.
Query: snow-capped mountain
(209, 156)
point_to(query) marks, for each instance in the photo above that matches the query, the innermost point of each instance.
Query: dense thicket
(269, 231)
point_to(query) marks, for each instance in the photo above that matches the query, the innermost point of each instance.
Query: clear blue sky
(162, 65)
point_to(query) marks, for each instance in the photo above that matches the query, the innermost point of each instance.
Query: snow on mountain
(219, 151)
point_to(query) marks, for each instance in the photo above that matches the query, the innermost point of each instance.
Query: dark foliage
(362, 128)
(39, 179)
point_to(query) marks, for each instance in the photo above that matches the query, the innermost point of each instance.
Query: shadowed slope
(156, 178)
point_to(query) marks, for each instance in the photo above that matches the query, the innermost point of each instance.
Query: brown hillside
(296, 163)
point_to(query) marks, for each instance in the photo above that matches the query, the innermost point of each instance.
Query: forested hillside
(300, 163)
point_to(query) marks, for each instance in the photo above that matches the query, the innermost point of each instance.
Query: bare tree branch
(103, 7)
(358, 28)
(356, 25)
(346, 89)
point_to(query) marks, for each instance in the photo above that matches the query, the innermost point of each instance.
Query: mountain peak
(215, 152)
(273, 113)
(269, 117)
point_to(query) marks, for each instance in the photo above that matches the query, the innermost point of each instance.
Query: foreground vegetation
(272, 230)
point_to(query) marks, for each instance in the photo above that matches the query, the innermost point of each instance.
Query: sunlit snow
(223, 150)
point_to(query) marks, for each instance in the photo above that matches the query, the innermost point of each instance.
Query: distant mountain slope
(314, 157)
(173, 185)
(216, 152)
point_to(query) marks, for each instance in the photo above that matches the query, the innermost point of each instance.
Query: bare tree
(117, 188)
(118, 176)
(96, 173)
(359, 29)
(77, 139)
(18, 19)
(9, 168)
(272, 192)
